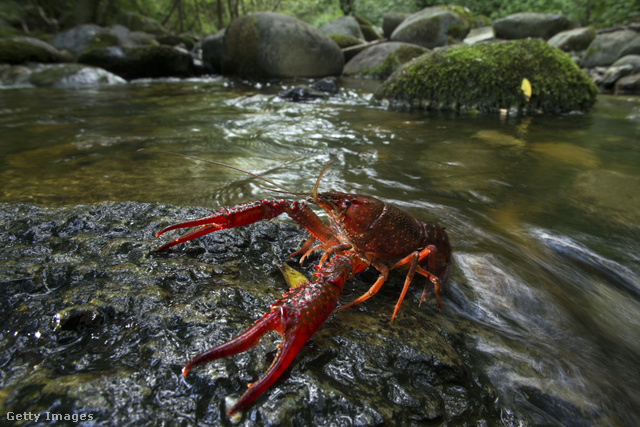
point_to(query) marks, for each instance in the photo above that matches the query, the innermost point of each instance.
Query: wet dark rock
(140, 62)
(215, 54)
(97, 323)
(321, 89)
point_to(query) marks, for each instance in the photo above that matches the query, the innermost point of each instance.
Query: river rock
(629, 85)
(369, 31)
(215, 54)
(22, 49)
(487, 77)
(606, 48)
(480, 35)
(345, 25)
(613, 74)
(272, 45)
(95, 322)
(56, 75)
(391, 21)
(434, 26)
(140, 62)
(573, 40)
(76, 39)
(633, 60)
(530, 24)
(380, 60)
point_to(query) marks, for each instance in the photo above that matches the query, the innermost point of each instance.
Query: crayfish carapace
(363, 232)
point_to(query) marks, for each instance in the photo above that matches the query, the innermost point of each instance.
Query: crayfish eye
(346, 203)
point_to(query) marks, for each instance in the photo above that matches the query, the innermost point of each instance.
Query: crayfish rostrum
(363, 232)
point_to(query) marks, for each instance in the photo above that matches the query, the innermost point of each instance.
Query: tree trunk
(85, 11)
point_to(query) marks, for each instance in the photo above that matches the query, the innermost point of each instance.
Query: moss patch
(344, 40)
(488, 77)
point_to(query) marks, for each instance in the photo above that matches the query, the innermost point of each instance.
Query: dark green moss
(367, 28)
(488, 77)
(344, 40)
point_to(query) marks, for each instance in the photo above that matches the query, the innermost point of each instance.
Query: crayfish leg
(384, 273)
(436, 286)
(407, 281)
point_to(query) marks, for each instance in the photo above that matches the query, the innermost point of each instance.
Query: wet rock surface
(97, 323)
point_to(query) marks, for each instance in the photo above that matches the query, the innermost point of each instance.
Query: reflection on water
(543, 212)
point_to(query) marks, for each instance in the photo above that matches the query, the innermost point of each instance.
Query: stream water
(543, 212)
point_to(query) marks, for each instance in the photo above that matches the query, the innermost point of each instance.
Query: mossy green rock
(344, 40)
(379, 61)
(20, 49)
(271, 45)
(488, 77)
(434, 26)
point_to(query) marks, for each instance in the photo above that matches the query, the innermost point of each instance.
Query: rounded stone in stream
(271, 45)
(96, 323)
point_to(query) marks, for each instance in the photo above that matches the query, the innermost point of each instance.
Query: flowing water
(543, 212)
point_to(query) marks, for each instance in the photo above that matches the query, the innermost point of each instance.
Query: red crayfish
(363, 232)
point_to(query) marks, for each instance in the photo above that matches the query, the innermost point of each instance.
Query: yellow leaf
(293, 277)
(526, 88)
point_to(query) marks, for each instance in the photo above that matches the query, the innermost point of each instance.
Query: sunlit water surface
(542, 212)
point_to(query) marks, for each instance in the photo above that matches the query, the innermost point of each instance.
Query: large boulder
(380, 60)
(489, 77)
(140, 62)
(434, 26)
(21, 49)
(345, 25)
(530, 24)
(56, 75)
(271, 45)
(573, 40)
(606, 48)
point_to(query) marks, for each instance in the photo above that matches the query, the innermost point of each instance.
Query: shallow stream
(543, 212)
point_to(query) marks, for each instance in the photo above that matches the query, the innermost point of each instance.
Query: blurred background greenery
(209, 16)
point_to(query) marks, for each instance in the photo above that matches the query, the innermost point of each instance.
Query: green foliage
(208, 16)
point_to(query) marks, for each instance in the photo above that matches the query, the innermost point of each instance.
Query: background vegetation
(208, 16)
